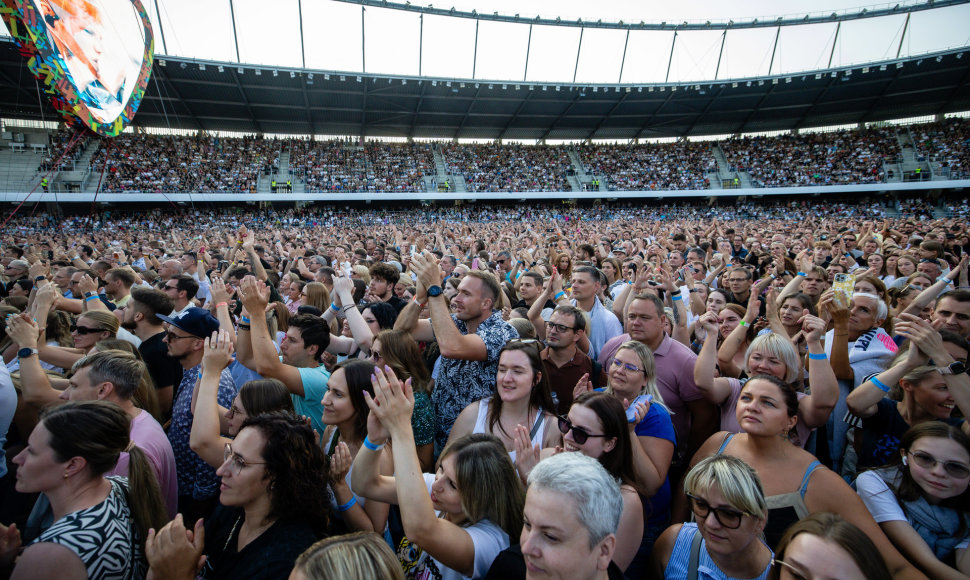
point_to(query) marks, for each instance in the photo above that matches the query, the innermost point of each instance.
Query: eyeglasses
(375, 355)
(559, 327)
(953, 468)
(236, 463)
(85, 330)
(580, 435)
(792, 571)
(167, 287)
(730, 518)
(627, 366)
(233, 411)
(172, 336)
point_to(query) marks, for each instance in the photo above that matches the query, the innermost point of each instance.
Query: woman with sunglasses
(597, 427)
(522, 398)
(730, 512)
(921, 500)
(795, 482)
(90, 327)
(270, 511)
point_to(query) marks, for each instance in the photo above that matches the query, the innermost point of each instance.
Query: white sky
(269, 35)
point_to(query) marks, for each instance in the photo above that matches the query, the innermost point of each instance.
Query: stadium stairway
(582, 179)
(80, 176)
(724, 173)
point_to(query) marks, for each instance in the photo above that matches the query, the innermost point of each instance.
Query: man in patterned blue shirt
(197, 481)
(470, 338)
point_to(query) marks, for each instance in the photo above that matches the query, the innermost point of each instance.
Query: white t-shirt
(487, 538)
(882, 502)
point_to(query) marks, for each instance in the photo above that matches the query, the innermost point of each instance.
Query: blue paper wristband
(348, 505)
(371, 445)
(882, 386)
(820, 356)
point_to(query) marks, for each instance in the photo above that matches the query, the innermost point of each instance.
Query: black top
(270, 556)
(510, 565)
(164, 369)
(397, 303)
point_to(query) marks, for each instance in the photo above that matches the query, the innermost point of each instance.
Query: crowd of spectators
(171, 164)
(681, 165)
(840, 157)
(510, 167)
(345, 166)
(57, 149)
(947, 143)
(581, 392)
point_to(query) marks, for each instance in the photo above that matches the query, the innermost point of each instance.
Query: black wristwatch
(88, 294)
(39, 278)
(954, 368)
(25, 352)
(434, 291)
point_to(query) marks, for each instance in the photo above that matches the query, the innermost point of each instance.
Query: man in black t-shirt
(141, 318)
(383, 277)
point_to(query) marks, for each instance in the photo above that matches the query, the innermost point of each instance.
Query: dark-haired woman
(921, 500)
(795, 483)
(345, 413)
(66, 458)
(271, 508)
(522, 397)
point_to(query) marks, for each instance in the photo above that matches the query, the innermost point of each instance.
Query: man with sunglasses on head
(198, 483)
(562, 361)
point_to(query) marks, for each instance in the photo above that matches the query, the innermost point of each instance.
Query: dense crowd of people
(341, 166)
(170, 164)
(841, 157)
(514, 391)
(682, 165)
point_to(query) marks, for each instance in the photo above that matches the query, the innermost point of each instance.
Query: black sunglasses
(580, 435)
(730, 518)
(85, 330)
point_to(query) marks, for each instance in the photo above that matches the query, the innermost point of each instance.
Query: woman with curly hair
(271, 507)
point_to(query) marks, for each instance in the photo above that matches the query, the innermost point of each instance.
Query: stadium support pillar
(161, 29)
(774, 49)
(902, 36)
(363, 43)
(720, 53)
(579, 49)
(421, 43)
(299, 8)
(528, 48)
(475, 53)
(835, 42)
(670, 60)
(235, 38)
(623, 61)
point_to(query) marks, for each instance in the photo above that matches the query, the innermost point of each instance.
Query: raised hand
(217, 351)
(175, 552)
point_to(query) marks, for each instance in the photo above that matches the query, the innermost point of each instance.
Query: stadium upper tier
(206, 164)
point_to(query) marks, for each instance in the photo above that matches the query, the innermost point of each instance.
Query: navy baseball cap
(196, 321)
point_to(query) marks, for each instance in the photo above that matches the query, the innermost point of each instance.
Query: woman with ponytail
(100, 523)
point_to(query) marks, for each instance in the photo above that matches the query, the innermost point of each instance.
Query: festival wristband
(742, 323)
(226, 304)
(820, 356)
(559, 296)
(245, 320)
(348, 505)
(371, 445)
(881, 385)
(90, 298)
(333, 306)
(678, 297)
(802, 274)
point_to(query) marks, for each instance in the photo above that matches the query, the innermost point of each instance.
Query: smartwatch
(954, 368)
(434, 291)
(25, 352)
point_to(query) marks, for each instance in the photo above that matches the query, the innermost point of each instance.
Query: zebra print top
(103, 537)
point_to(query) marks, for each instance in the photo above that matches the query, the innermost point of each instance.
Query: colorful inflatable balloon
(93, 56)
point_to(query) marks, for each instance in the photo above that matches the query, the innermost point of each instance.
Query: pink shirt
(149, 436)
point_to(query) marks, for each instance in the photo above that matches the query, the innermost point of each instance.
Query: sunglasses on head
(580, 435)
(85, 329)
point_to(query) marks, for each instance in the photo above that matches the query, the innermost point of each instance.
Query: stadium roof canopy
(606, 80)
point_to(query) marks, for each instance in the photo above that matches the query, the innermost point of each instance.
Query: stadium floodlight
(865, 70)
(221, 69)
(939, 59)
(258, 72)
(959, 56)
(309, 76)
(749, 83)
(434, 83)
(545, 88)
(326, 76)
(818, 76)
(491, 86)
(239, 70)
(734, 85)
(161, 62)
(477, 85)
(201, 66)
(649, 89)
(834, 74)
(761, 83)
(517, 87)
(882, 67)
(183, 65)
(448, 84)
(774, 81)
(899, 65)
(462, 85)
(343, 78)
(276, 73)
(787, 80)
(504, 87)
(359, 79)
(595, 89)
(292, 75)
(557, 88)
(639, 89)
(404, 81)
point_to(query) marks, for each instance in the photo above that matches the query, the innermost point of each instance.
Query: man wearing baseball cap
(197, 481)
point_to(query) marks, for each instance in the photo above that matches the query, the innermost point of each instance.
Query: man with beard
(140, 317)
